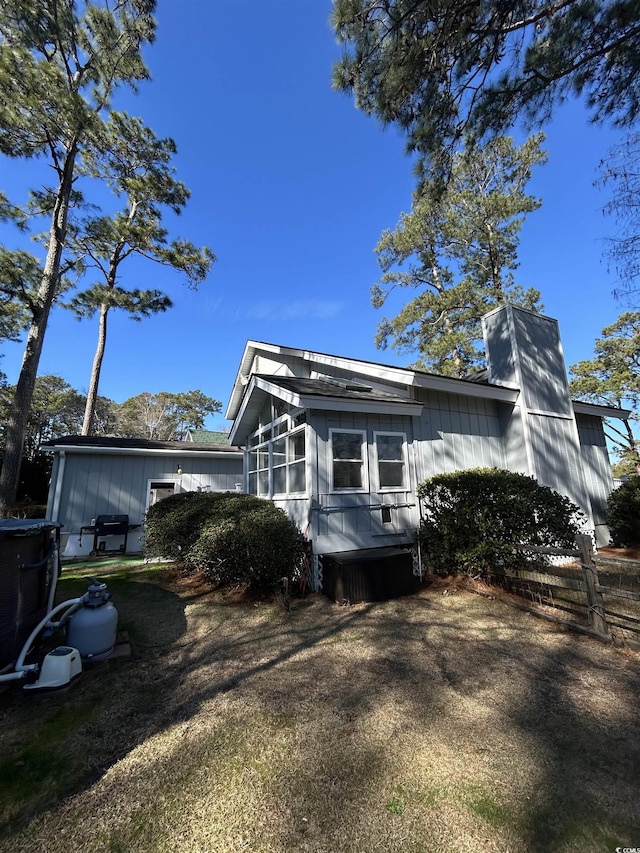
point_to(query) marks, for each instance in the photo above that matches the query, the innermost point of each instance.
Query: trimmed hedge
(623, 512)
(472, 519)
(233, 538)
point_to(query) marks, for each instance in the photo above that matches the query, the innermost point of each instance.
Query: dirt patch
(621, 553)
(443, 721)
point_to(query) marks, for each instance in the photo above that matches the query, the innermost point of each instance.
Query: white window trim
(364, 458)
(267, 446)
(405, 486)
(288, 463)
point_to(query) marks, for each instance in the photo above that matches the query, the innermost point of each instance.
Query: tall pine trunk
(21, 404)
(92, 393)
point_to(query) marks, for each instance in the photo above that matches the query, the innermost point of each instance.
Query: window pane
(263, 483)
(390, 447)
(279, 408)
(297, 477)
(280, 481)
(279, 451)
(253, 484)
(296, 446)
(347, 445)
(253, 461)
(391, 474)
(263, 459)
(347, 475)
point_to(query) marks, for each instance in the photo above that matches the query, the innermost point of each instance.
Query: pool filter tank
(92, 629)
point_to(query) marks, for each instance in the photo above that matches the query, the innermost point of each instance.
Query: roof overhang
(597, 411)
(372, 370)
(260, 389)
(95, 450)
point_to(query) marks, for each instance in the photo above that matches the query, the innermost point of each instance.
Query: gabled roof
(401, 376)
(334, 389)
(325, 394)
(107, 444)
(250, 382)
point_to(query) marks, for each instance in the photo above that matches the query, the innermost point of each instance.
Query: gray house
(342, 444)
(113, 481)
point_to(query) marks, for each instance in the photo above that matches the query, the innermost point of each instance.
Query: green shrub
(472, 519)
(623, 513)
(232, 538)
(173, 524)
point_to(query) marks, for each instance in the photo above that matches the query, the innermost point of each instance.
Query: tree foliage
(623, 513)
(473, 519)
(60, 63)
(458, 247)
(164, 416)
(137, 167)
(621, 175)
(446, 70)
(612, 378)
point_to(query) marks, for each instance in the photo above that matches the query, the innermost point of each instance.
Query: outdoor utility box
(26, 574)
(376, 574)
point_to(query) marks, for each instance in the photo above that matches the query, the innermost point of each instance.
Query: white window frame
(363, 459)
(405, 467)
(266, 447)
(288, 462)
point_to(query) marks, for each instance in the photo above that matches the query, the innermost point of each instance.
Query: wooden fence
(597, 595)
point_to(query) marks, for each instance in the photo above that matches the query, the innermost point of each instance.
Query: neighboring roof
(207, 436)
(102, 443)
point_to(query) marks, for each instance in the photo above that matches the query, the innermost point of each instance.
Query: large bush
(623, 513)
(472, 519)
(233, 538)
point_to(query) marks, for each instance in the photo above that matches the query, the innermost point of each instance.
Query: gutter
(137, 451)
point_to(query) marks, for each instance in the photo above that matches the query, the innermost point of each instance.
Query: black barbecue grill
(108, 525)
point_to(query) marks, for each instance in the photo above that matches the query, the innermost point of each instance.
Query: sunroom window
(276, 466)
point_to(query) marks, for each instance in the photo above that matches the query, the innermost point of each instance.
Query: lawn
(445, 721)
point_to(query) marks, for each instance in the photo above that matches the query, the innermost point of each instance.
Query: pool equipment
(59, 668)
(94, 627)
(91, 621)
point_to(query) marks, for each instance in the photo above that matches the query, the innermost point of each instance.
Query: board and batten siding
(113, 484)
(597, 470)
(458, 433)
(344, 521)
(524, 351)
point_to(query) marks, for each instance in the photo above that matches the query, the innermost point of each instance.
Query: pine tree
(60, 63)
(458, 247)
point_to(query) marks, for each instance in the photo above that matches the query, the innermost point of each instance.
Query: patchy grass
(437, 722)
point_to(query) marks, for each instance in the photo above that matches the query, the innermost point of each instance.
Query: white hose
(22, 668)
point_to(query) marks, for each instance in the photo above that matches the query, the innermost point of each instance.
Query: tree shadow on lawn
(503, 725)
(78, 734)
(432, 718)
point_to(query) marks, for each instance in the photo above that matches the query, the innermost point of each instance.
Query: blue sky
(291, 187)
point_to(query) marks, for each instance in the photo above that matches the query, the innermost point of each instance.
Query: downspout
(57, 495)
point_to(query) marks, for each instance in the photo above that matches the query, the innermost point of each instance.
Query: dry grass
(441, 722)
